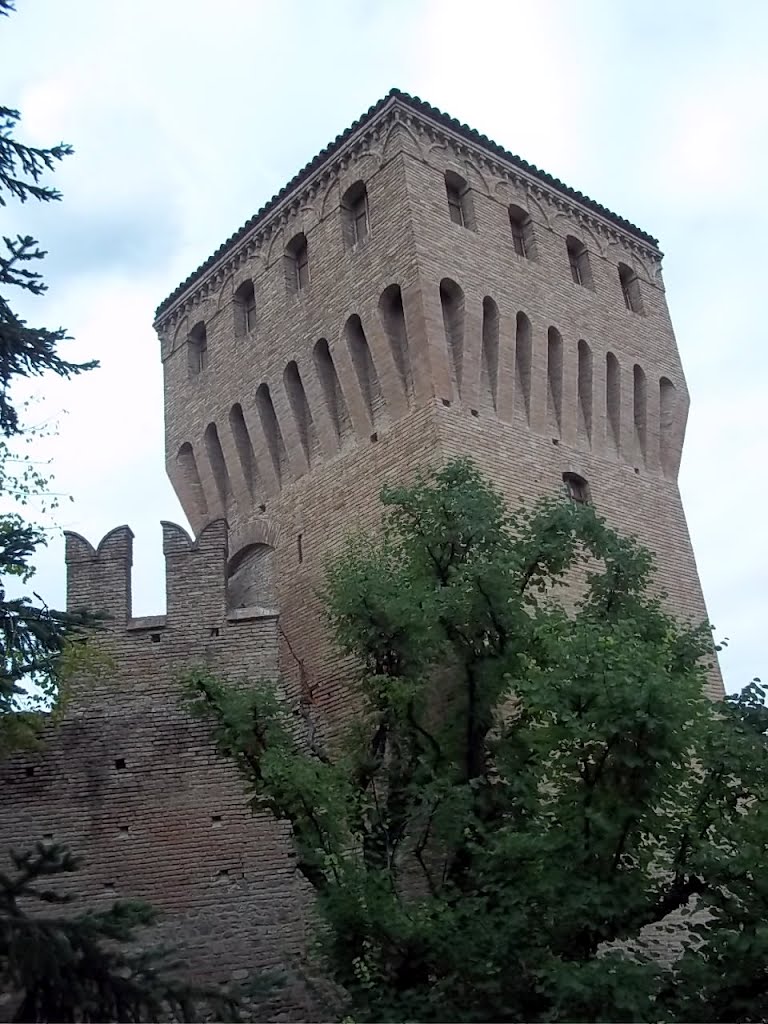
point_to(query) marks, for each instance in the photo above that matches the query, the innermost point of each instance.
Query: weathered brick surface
(617, 432)
(134, 786)
(289, 431)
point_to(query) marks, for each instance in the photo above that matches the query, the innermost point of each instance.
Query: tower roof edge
(443, 120)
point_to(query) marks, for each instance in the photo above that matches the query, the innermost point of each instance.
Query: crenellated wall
(415, 294)
(515, 323)
(134, 785)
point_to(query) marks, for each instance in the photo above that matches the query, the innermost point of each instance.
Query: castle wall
(303, 498)
(288, 326)
(134, 786)
(421, 341)
(526, 443)
(598, 391)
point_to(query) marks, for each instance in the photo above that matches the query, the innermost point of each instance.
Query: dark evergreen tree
(55, 964)
(32, 636)
(24, 351)
(76, 968)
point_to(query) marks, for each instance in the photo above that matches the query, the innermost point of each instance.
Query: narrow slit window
(302, 267)
(521, 226)
(197, 346)
(459, 200)
(245, 309)
(454, 205)
(578, 260)
(297, 263)
(354, 208)
(630, 289)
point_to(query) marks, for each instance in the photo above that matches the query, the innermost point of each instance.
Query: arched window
(197, 349)
(191, 486)
(452, 303)
(302, 415)
(251, 579)
(578, 259)
(523, 360)
(245, 309)
(365, 368)
(613, 399)
(630, 288)
(460, 207)
(489, 366)
(217, 463)
(272, 433)
(555, 378)
(577, 488)
(243, 447)
(297, 263)
(392, 315)
(584, 424)
(354, 213)
(640, 408)
(332, 393)
(669, 449)
(521, 226)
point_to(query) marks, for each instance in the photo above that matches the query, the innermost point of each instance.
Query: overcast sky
(186, 116)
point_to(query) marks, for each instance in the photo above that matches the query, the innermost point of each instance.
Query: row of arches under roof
(603, 417)
(308, 414)
(315, 410)
(460, 207)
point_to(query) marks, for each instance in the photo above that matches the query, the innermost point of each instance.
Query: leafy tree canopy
(534, 814)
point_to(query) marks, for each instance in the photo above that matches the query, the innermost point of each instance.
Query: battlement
(202, 585)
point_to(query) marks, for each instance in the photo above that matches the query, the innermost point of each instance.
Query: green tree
(55, 964)
(534, 795)
(76, 968)
(26, 351)
(33, 636)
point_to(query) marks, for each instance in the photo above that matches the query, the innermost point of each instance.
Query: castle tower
(413, 294)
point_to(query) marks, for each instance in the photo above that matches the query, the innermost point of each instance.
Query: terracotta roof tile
(444, 120)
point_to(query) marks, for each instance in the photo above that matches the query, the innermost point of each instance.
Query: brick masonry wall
(135, 787)
(295, 468)
(621, 429)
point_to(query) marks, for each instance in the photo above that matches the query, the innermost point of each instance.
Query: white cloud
(185, 121)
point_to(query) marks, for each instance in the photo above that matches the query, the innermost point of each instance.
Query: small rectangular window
(296, 261)
(245, 309)
(522, 231)
(250, 314)
(354, 215)
(360, 220)
(578, 260)
(459, 196)
(197, 345)
(455, 207)
(302, 268)
(630, 289)
(518, 239)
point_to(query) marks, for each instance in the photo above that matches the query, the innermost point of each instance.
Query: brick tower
(417, 293)
(414, 294)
